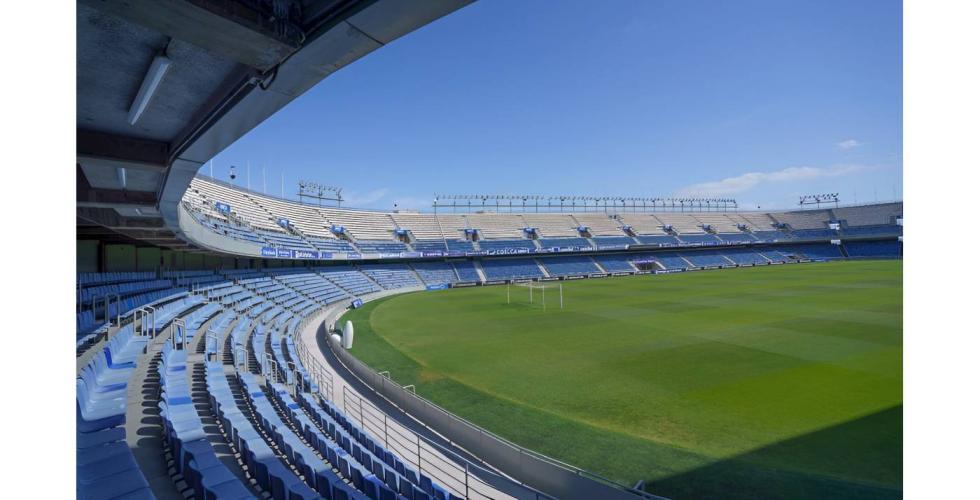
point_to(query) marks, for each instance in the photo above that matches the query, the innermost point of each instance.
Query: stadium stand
(812, 251)
(869, 215)
(564, 243)
(435, 273)
(572, 265)
(703, 238)
(599, 224)
(507, 245)
(381, 246)
(613, 241)
(552, 225)
(663, 239)
(645, 224)
(465, 271)
(706, 259)
(496, 226)
(671, 261)
(876, 230)
(680, 222)
(615, 263)
(507, 269)
(745, 256)
(390, 276)
(805, 219)
(873, 249)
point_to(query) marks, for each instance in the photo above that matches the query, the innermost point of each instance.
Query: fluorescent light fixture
(150, 83)
(121, 175)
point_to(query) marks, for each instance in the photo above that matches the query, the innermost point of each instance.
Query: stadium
(231, 343)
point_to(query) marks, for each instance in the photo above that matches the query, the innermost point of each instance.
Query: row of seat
(105, 465)
(183, 430)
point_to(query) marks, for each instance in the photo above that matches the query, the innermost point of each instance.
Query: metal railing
(483, 442)
(456, 473)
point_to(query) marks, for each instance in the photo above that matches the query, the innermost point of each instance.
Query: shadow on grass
(816, 465)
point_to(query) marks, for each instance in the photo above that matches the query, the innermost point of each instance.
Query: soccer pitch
(766, 382)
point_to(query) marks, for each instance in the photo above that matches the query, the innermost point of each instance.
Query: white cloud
(749, 180)
(356, 199)
(848, 144)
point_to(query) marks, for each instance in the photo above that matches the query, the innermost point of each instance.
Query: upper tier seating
(552, 225)
(720, 222)
(681, 223)
(657, 239)
(771, 235)
(810, 234)
(805, 219)
(736, 237)
(381, 246)
(330, 244)
(422, 226)
(643, 224)
(599, 224)
(869, 215)
(564, 243)
(612, 241)
(496, 225)
(505, 245)
(704, 238)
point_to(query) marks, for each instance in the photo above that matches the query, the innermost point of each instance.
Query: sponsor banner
(223, 208)
(507, 251)
(268, 252)
(326, 255)
(356, 303)
(353, 255)
(396, 255)
(411, 255)
(437, 287)
(436, 254)
(284, 254)
(306, 254)
(610, 247)
(468, 254)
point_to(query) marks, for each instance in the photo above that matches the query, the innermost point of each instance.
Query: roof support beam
(87, 196)
(119, 151)
(225, 27)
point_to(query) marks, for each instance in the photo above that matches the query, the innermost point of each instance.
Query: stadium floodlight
(158, 68)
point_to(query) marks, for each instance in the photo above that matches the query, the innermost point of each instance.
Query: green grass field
(767, 382)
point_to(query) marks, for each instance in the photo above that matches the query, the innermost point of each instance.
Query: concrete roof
(233, 64)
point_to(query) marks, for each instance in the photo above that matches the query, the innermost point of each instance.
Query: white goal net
(538, 294)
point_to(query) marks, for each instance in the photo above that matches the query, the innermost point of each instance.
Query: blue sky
(759, 100)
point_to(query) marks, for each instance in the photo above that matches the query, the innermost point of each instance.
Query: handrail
(178, 334)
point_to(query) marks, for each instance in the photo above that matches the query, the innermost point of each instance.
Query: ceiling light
(151, 81)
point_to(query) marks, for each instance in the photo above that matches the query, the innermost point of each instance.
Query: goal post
(542, 290)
